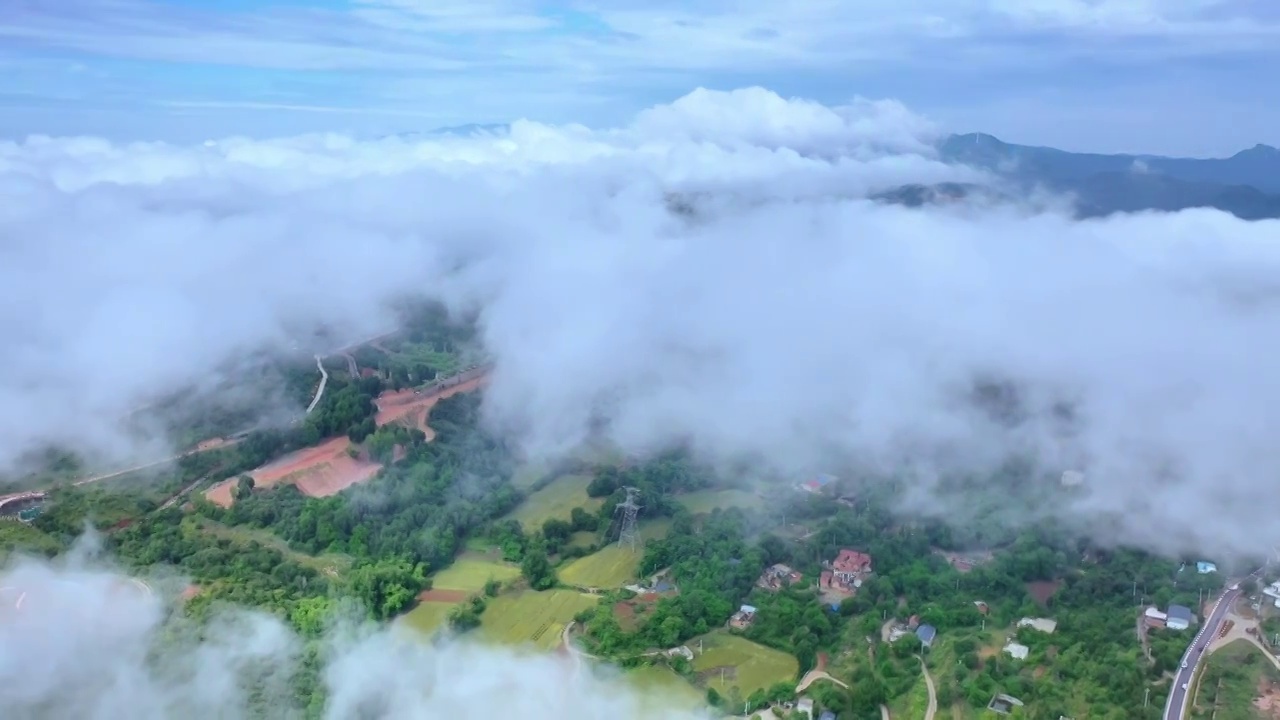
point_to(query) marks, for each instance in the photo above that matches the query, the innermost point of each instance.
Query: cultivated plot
(728, 661)
(704, 501)
(453, 585)
(532, 618)
(469, 574)
(661, 689)
(613, 565)
(556, 500)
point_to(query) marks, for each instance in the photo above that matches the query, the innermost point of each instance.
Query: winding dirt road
(324, 380)
(933, 693)
(815, 675)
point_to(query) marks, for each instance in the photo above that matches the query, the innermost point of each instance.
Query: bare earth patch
(409, 407)
(295, 467)
(442, 596)
(336, 475)
(1042, 590)
(328, 469)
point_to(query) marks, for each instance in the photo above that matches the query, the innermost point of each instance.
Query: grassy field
(428, 617)
(663, 690)
(914, 703)
(612, 566)
(528, 474)
(707, 500)
(468, 574)
(1234, 677)
(556, 500)
(532, 618)
(329, 564)
(747, 666)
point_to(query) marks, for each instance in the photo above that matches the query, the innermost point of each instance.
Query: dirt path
(324, 380)
(815, 675)
(202, 447)
(933, 693)
(1141, 629)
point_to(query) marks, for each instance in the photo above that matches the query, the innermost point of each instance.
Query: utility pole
(1146, 698)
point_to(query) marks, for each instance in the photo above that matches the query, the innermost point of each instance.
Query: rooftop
(1180, 612)
(926, 633)
(1017, 650)
(1044, 625)
(851, 561)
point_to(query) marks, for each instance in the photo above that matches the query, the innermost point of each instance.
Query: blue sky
(1169, 76)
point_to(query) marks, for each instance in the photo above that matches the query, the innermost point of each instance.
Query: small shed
(926, 633)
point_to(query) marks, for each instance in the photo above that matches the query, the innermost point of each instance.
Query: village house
(1179, 617)
(816, 485)
(742, 619)
(926, 633)
(1044, 625)
(1154, 618)
(776, 576)
(1017, 651)
(847, 571)
(1004, 704)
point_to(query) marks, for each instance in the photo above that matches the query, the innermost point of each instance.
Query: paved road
(324, 380)
(1183, 691)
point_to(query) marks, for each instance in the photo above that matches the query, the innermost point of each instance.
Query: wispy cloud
(357, 52)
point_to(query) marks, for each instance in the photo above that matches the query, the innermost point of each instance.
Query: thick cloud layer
(80, 642)
(712, 272)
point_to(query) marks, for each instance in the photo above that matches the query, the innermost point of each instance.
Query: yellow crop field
(469, 574)
(532, 618)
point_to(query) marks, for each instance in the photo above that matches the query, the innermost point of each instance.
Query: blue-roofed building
(827, 715)
(926, 633)
(1204, 568)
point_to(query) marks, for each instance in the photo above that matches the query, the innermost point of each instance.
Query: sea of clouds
(712, 272)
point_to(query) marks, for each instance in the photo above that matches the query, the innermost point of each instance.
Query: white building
(1273, 591)
(1072, 478)
(1017, 650)
(1044, 625)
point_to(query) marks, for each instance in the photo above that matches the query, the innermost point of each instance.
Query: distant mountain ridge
(1258, 166)
(1246, 184)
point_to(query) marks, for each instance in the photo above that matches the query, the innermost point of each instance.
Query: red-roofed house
(846, 572)
(851, 565)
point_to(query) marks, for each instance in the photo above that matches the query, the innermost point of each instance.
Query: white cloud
(788, 316)
(85, 643)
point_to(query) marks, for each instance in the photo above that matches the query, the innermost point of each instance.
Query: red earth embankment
(328, 468)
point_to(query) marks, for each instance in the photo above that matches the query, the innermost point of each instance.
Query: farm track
(933, 693)
(324, 380)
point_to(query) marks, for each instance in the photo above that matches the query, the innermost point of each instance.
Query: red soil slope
(327, 469)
